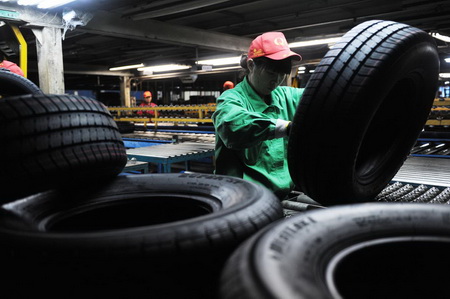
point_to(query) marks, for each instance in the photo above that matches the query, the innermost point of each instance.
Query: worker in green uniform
(252, 120)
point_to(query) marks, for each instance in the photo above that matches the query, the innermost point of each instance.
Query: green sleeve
(238, 127)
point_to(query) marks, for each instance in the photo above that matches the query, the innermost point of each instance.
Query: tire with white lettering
(374, 250)
(154, 235)
(12, 84)
(54, 140)
(362, 111)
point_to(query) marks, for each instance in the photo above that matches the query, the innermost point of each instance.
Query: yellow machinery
(172, 114)
(440, 113)
(439, 116)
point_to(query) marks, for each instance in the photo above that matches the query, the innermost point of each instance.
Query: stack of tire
(70, 227)
(347, 142)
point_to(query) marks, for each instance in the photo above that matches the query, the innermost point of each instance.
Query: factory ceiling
(124, 32)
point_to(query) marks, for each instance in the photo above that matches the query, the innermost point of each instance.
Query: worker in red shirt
(11, 66)
(147, 102)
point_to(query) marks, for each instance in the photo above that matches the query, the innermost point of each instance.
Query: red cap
(228, 84)
(147, 94)
(272, 45)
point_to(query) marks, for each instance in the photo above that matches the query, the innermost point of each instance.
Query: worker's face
(266, 77)
(148, 99)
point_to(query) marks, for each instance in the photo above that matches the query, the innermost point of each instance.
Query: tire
(13, 84)
(126, 127)
(362, 111)
(375, 250)
(53, 140)
(163, 235)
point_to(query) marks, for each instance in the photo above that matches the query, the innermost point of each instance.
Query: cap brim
(283, 55)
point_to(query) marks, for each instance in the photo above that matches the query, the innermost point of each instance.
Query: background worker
(253, 119)
(147, 102)
(11, 66)
(228, 85)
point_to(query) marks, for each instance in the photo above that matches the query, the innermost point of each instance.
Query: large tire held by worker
(362, 111)
(12, 84)
(54, 140)
(139, 236)
(371, 250)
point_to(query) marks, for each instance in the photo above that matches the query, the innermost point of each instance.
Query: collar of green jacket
(256, 100)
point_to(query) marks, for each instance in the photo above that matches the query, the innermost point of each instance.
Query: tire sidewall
(289, 259)
(412, 66)
(235, 200)
(13, 84)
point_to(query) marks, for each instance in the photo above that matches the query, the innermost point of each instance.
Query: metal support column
(50, 59)
(125, 91)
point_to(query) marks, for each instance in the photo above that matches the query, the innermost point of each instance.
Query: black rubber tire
(52, 140)
(12, 84)
(362, 111)
(374, 250)
(126, 127)
(144, 236)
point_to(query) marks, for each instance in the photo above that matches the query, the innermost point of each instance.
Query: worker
(228, 85)
(147, 102)
(11, 66)
(252, 120)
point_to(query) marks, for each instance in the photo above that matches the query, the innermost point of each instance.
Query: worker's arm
(240, 128)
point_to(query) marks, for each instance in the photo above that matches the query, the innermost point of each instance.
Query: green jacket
(246, 146)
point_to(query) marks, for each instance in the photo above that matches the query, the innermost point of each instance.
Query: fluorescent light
(221, 61)
(444, 75)
(28, 2)
(164, 68)
(53, 3)
(315, 42)
(126, 67)
(441, 37)
(447, 60)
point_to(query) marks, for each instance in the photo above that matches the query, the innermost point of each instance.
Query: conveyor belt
(182, 137)
(166, 154)
(426, 171)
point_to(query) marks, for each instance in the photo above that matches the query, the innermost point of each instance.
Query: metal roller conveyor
(425, 171)
(166, 154)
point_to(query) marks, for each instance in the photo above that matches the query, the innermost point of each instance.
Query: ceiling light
(447, 60)
(444, 75)
(221, 61)
(315, 42)
(28, 2)
(126, 67)
(441, 37)
(164, 68)
(53, 3)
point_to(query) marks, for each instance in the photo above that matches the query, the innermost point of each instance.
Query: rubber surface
(52, 140)
(165, 234)
(12, 84)
(372, 250)
(348, 138)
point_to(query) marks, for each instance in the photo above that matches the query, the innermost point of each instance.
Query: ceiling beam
(174, 9)
(110, 24)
